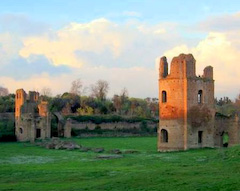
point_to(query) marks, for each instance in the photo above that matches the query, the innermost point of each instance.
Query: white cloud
(9, 47)
(96, 36)
(124, 54)
(99, 37)
(218, 51)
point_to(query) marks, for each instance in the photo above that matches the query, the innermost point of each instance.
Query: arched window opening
(200, 96)
(21, 130)
(164, 96)
(164, 136)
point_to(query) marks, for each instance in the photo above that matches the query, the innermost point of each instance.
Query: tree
(85, 110)
(46, 92)
(100, 90)
(73, 100)
(153, 109)
(133, 106)
(57, 104)
(77, 87)
(124, 94)
(223, 101)
(237, 100)
(117, 103)
(3, 91)
(7, 103)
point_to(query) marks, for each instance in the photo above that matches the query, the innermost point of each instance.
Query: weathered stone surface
(98, 150)
(50, 146)
(187, 111)
(110, 126)
(109, 156)
(115, 151)
(57, 144)
(32, 118)
(131, 152)
(179, 91)
(84, 149)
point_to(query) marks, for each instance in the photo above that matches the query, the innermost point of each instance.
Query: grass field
(27, 167)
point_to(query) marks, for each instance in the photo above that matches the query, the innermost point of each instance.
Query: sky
(50, 43)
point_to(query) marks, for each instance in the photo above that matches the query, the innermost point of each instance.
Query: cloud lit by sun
(122, 45)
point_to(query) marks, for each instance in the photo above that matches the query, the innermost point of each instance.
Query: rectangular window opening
(38, 134)
(200, 137)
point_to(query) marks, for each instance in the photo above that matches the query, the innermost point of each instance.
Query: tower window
(21, 130)
(164, 136)
(164, 96)
(38, 133)
(200, 96)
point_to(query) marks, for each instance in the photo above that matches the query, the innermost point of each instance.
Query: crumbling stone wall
(229, 125)
(75, 125)
(32, 119)
(179, 92)
(110, 125)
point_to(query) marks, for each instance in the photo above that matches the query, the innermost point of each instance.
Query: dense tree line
(7, 103)
(87, 105)
(77, 102)
(97, 103)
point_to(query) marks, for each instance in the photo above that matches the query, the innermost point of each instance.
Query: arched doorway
(164, 136)
(225, 139)
(54, 126)
(57, 125)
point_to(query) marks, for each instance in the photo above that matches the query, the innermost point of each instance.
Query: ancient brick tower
(186, 105)
(32, 119)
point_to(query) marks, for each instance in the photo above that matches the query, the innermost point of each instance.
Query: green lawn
(27, 167)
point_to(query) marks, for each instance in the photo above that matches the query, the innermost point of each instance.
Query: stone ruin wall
(32, 119)
(230, 125)
(181, 86)
(110, 125)
(206, 84)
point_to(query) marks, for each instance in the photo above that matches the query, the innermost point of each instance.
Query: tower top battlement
(182, 66)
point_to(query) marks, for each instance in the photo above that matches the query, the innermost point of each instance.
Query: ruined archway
(57, 125)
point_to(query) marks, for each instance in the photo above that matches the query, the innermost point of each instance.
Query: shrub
(7, 130)
(98, 129)
(144, 127)
(98, 119)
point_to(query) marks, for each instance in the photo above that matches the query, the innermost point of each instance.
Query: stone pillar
(68, 128)
(163, 68)
(32, 131)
